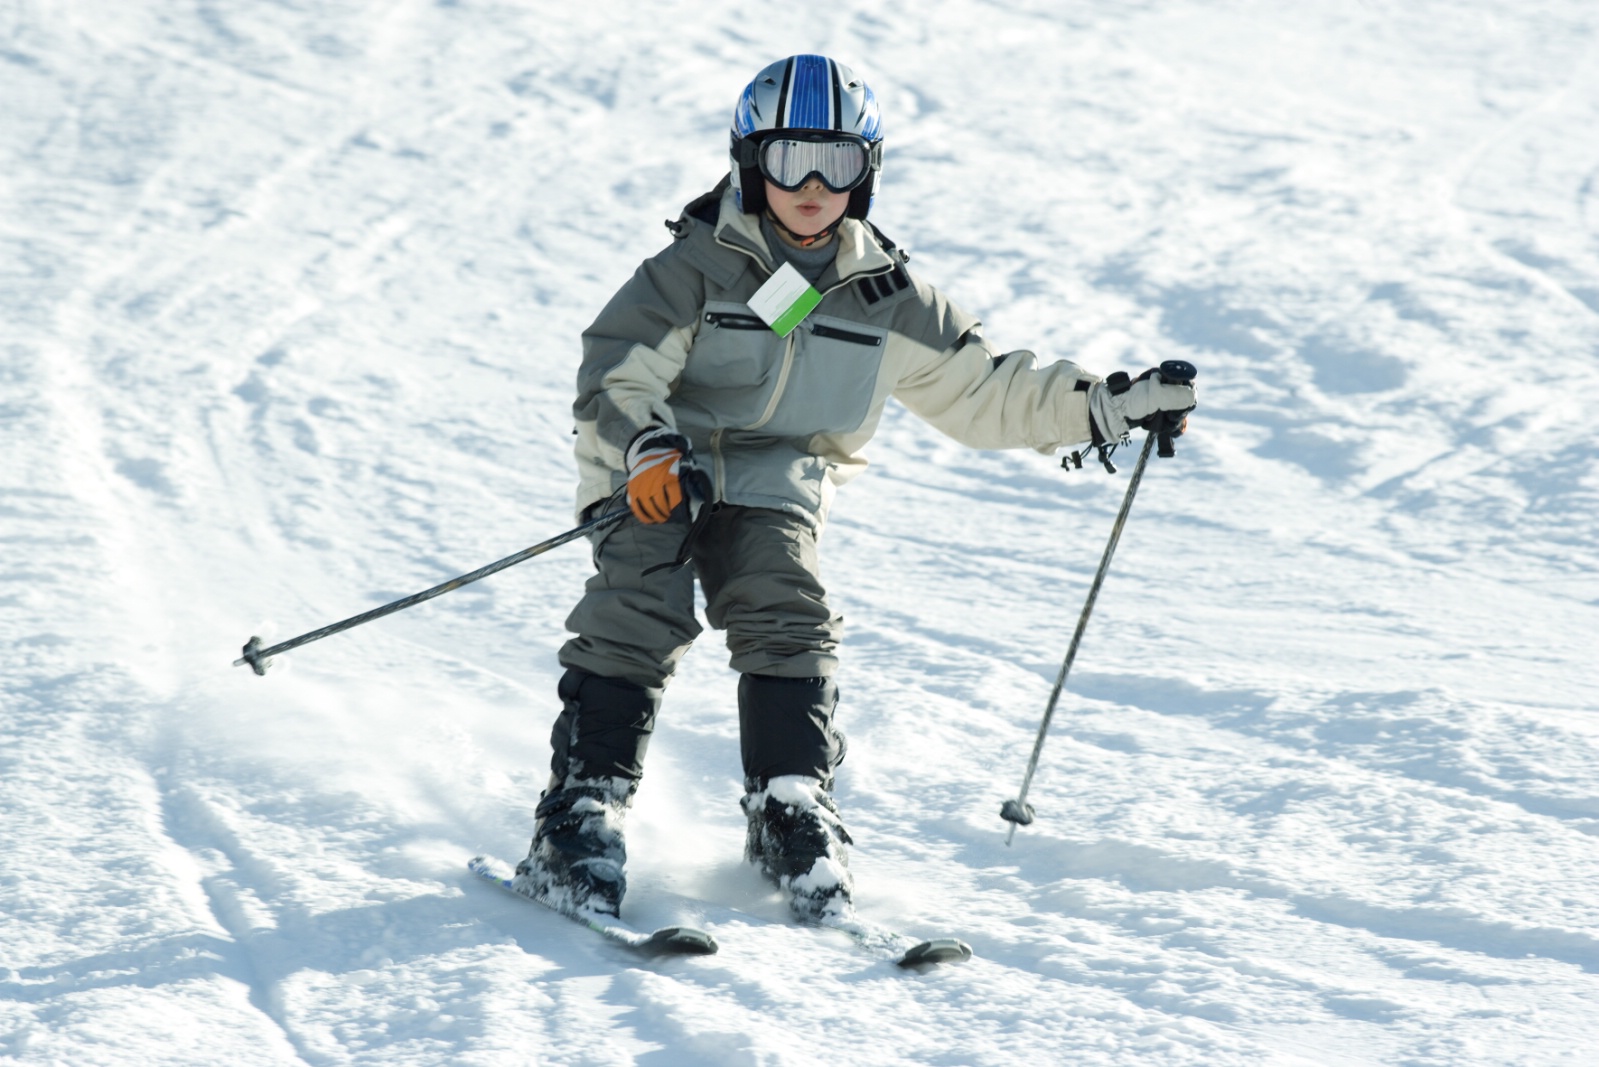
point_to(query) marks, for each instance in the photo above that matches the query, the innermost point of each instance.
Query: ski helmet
(824, 122)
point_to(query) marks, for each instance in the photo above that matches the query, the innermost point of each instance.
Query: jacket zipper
(823, 330)
(782, 384)
(718, 468)
(732, 320)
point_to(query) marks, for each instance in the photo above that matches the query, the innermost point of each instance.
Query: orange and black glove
(659, 461)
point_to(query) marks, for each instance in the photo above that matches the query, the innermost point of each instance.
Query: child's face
(809, 210)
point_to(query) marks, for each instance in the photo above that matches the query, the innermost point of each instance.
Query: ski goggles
(841, 160)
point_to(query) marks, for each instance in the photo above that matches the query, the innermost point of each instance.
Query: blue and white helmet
(805, 93)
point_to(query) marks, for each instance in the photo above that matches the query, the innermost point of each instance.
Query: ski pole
(1018, 812)
(260, 658)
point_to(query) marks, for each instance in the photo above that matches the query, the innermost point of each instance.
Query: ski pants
(757, 568)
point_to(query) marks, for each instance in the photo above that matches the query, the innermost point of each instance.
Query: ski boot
(576, 861)
(797, 840)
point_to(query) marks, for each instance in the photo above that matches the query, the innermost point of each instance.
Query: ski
(873, 938)
(902, 949)
(667, 941)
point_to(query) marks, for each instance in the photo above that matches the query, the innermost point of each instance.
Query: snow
(289, 304)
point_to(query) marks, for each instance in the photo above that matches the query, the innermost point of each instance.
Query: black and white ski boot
(797, 840)
(575, 864)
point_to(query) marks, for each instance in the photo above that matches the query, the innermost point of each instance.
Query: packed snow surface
(290, 296)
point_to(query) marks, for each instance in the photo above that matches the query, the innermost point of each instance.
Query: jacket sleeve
(634, 352)
(955, 380)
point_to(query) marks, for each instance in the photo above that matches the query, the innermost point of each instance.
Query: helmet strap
(804, 241)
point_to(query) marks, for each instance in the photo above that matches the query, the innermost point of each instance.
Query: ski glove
(658, 463)
(1148, 402)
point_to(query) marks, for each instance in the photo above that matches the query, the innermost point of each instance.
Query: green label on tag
(797, 311)
(785, 300)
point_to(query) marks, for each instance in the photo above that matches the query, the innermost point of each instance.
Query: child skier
(728, 428)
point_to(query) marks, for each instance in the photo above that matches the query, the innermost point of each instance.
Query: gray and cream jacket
(780, 422)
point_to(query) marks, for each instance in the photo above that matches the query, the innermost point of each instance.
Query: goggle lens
(788, 163)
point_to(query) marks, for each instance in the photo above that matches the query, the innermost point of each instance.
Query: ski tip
(667, 941)
(486, 869)
(938, 950)
(679, 941)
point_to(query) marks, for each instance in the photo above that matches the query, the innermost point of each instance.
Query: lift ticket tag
(785, 300)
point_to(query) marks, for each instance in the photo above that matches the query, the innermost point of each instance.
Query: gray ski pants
(758, 570)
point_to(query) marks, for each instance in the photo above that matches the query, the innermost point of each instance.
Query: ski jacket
(780, 422)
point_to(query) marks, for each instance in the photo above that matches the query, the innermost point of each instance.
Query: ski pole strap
(697, 488)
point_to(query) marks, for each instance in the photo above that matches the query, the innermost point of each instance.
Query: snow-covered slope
(289, 305)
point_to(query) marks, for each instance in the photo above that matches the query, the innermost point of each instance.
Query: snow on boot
(797, 840)
(576, 860)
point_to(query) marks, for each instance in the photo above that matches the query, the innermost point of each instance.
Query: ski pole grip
(1178, 371)
(1172, 372)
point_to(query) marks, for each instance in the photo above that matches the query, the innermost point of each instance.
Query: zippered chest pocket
(733, 366)
(832, 380)
(734, 320)
(854, 337)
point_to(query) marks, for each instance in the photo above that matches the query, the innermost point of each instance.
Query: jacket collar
(858, 250)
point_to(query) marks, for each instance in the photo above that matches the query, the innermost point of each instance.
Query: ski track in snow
(289, 305)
